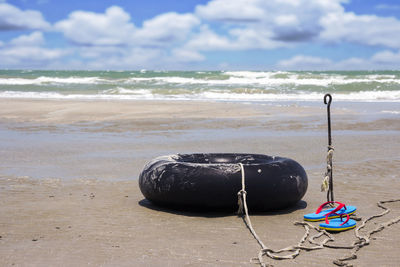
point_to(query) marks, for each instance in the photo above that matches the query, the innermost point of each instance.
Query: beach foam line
(124, 91)
(306, 96)
(223, 95)
(268, 81)
(396, 112)
(54, 95)
(51, 80)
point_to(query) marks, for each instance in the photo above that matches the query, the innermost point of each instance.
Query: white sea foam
(223, 95)
(166, 80)
(391, 111)
(125, 91)
(265, 80)
(380, 76)
(359, 96)
(33, 95)
(232, 78)
(51, 80)
(53, 95)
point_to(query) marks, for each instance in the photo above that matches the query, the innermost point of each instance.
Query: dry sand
(69, 194)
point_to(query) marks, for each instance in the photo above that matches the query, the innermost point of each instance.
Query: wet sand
(69, 169)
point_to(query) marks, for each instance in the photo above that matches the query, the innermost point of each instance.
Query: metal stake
(330, 191)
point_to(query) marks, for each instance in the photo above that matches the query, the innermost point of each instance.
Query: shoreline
(63, 111)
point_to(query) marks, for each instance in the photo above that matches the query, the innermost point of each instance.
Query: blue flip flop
(336, 212)
(337, 225)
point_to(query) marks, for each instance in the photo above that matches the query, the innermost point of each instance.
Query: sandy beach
(69, 193)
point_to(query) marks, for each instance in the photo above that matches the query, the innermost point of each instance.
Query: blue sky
(200, 34)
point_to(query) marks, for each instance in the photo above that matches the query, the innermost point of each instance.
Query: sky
(200, 34)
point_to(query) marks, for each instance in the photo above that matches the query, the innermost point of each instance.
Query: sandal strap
(341, 218)
(341, 205)
(347, 218)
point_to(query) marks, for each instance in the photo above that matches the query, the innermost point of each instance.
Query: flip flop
(337, 224)
(320, 214)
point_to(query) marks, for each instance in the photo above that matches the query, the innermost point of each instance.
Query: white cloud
(13, 18)
(255, 38)
(206, 39)
(165, 29)
(113, 28)
(89, 28)
(255, 24)
(129, 58)
(288, 21)
(94, 52)
(362, 29)
(108, 57)
(302, 62)
(33, 39)
(259, 24)
(110, 40)
(27, 51)
(236, 39)
(237, 11)
(31, 53)
(20, 56)
(383, 60)
(387, 57)
(182, 55)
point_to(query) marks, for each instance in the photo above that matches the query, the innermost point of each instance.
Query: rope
(243, 210)
(327, 182)
(295, 250)
(365, 240)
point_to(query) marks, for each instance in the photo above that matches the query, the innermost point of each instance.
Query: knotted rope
(296, 249)
(325, 183)
(273, 254)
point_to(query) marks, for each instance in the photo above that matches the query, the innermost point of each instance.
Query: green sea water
(198, 85)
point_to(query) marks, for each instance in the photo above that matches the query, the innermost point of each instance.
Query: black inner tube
(212, 180)
(227, 158)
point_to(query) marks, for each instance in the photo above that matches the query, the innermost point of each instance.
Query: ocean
(248, 86)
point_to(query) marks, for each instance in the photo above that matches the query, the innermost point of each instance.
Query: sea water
(247, 86)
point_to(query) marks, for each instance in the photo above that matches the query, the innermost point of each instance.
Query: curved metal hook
(329, 101)
(328, 109)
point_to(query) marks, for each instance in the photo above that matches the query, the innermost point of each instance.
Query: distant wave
(224, 79)
(54, 80)
(391, 112)
(268, 81)
(212, 86)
